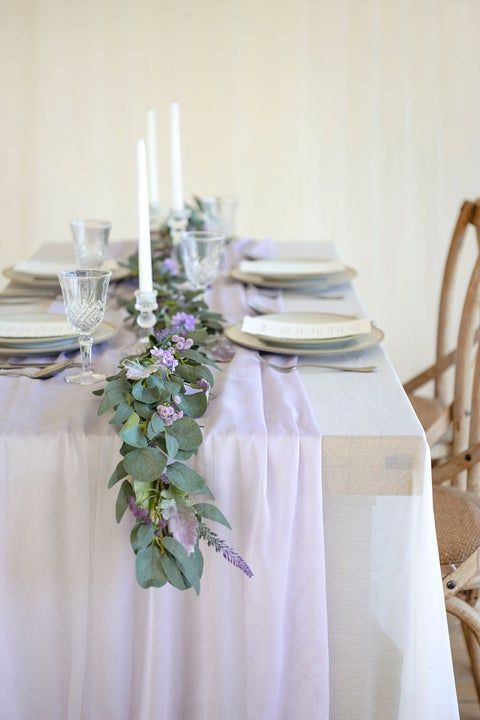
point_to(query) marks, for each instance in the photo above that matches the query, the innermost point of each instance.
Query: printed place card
(285, 330)
(40, 268)
(10, 329)
(291, 268)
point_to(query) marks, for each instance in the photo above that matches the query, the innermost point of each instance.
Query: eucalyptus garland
(157, 399)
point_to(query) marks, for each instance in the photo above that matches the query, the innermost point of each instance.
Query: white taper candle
(144, 246)
(152, 159)
(176, 159)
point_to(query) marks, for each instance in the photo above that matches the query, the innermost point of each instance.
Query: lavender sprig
(222, 547)
(162, 335)
(139, 512)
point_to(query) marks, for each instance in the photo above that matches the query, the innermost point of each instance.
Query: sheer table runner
(82, 640)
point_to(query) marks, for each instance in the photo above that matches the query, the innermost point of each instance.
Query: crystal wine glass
(90, 238)
(85, 295)
(220, 214)
(201, 254)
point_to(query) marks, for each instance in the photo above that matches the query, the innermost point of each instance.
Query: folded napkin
(289, 330)
(32, 329)
(280, 268)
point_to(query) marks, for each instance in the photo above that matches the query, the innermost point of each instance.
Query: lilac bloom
(186, 320)
(165, 358)
(170, 266)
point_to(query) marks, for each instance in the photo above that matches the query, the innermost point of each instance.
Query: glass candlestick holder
(177, 222)
(145, 303)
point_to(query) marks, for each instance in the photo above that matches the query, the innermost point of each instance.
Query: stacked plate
(305, 334)
(293, 274)
(43, 334)
(44, 274)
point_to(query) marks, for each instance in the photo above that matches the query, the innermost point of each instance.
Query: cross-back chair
(435, 413)
(456, 491)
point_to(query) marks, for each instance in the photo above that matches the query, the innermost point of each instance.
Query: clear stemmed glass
(90, 238)
(85, 295)
(220, 214)
(201, 254)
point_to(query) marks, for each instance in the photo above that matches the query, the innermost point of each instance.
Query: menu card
(14, 329)
(289, 330)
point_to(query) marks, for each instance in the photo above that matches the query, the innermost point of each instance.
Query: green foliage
(152, 468)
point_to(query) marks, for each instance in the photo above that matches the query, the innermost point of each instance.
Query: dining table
(325, 478)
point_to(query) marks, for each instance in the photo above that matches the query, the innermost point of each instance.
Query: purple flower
(168, 414)
(222, 547)
(181, 343)
(203, 385)
(137, 371)
(186, 320)
(139, 512)
(162, 335)
(170, 266)
(165, 358)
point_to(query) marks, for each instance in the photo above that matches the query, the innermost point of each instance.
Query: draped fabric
(355, 121)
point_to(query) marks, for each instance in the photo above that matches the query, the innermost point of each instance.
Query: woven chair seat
(457, 520)
(434, 417)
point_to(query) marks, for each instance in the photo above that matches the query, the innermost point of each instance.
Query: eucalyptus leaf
(185, 478)
(187, 434)
(155, 426)
(145, 411)
(211, 512)
(121, 505)
(193, 405)
(148, 567)
(171, 570)
(121, 414)
(117, 474)
(132, 434)
(145, 394)
(146, 464)
(172, 445)
(197, 560)
(187, 566)
(141, 535)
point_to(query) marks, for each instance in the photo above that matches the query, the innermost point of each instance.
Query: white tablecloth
(80, 640)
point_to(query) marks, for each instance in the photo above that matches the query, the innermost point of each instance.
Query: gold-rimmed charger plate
(320, 283)
(51, 281)
(103, 333)
(343, 347)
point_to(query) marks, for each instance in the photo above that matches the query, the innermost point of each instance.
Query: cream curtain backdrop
(355, 121)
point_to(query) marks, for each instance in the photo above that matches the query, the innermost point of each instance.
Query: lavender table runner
(82, 640)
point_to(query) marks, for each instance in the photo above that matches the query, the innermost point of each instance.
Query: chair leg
(473, 648)
(470, 620)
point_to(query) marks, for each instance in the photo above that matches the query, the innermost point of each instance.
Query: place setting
(306, 334)
(306, 275)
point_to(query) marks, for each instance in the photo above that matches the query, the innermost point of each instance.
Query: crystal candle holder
(146, 303)
(177, 222)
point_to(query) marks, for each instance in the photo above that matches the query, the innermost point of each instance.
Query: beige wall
(351, 120)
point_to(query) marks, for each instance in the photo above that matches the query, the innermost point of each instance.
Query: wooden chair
(435, 413)
(457, 507)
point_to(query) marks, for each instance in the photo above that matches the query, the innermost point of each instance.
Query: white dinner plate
(36, 319)
(304, 318)
(104, 332)
(326, 281)
(51, 281)
(354, 344)
(284, 269)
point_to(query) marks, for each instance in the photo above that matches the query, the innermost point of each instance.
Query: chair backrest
(466, 402)
(469, 216)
